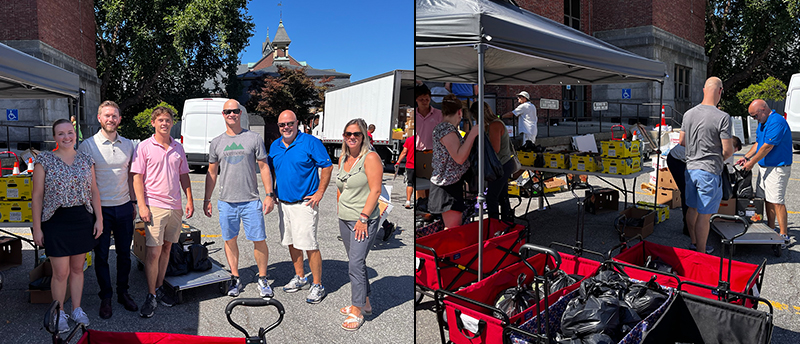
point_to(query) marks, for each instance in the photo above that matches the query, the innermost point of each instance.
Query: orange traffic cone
(30, 165)
(15, 172)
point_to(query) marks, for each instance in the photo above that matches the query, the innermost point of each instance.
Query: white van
(792, 109)
(201, 122)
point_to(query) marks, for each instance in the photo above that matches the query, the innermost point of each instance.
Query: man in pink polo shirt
(160, 171)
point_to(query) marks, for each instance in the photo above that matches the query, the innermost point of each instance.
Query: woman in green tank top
(359, 186)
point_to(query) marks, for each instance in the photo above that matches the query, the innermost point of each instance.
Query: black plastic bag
(743, 184)
(656, 263)
(599, 309)
(558, 280)
(645, 298)
(178, 264)
(515, 300)
(199, 258)
(727, 183)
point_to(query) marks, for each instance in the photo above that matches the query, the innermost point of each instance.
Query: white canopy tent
(488, 42)
(23, 76)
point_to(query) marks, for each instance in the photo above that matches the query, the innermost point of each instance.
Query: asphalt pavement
(389, 267)
(559, 222)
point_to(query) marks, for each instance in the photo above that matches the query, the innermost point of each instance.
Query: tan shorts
(298, 226)
(772, 183)
(165, 225)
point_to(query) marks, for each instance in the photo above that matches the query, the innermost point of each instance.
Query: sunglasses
(229, 111)
(287, 124)
(357, 134)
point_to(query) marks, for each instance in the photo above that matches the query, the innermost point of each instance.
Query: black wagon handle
(541, 249)
(254, 302)
(735, 218)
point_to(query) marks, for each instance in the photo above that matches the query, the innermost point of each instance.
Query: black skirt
(447, 197)
(69, 232)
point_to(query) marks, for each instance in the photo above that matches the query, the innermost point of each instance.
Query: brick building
(671, 31)
(62, 33)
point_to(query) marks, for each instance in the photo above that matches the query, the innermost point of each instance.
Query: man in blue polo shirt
(299, 187)
(774, 155)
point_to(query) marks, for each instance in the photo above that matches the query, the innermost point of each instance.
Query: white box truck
(791, 109)
(201, 122)
(382, 100)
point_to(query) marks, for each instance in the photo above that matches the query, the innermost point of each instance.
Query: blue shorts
(251, 215)
(703, 191)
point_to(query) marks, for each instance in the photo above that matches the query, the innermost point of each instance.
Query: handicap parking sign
(626, 93)
(12, 115)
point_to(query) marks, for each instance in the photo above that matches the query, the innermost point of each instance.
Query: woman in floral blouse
(450, 153)
(65, 197)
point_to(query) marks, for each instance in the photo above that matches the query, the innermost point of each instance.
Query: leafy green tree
(148, 51)
(292, 90)
(769, 89)
(140, 128)
(749, 40)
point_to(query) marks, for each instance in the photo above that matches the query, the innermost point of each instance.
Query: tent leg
(481, 48)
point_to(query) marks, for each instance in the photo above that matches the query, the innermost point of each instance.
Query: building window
(572, 14)
(682, 89)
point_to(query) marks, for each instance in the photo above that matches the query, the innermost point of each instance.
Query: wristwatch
(271, 194)
(363, 220)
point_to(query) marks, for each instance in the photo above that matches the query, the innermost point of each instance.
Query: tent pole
(658, 149)
(481, 48)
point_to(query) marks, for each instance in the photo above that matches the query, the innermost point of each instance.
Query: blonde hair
(108, 103)
(362, 127)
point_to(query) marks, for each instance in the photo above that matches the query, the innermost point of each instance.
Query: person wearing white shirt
(526, 112)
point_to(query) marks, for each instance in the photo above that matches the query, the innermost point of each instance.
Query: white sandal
(353, 319)
(346, 311)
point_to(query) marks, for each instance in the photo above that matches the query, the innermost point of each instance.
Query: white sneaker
(80, 317)
(63, 326)
(264, 288)
(407, 205)
(787, 241)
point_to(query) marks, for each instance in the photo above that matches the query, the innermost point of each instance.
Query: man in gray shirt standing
(112, 156)
(706, 134)
(241, 153)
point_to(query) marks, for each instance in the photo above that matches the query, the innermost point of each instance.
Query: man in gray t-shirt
(706, 134)
(241, 154)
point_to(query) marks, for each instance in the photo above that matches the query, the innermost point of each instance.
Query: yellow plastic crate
(585, 163)
(622, 166)
(621, 148)
(662, 210)
(16, 188)
(513, 188)
(16, 211)
(526, 158)
(556, 160)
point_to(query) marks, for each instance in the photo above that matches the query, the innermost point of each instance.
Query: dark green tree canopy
(152, 51)
(291, 89)
(750, 40)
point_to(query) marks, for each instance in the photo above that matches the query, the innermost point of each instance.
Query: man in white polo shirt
(112, 156)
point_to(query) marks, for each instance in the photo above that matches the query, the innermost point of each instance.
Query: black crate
(189, 235)
(601, 200)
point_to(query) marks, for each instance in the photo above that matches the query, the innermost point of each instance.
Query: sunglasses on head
(229, 111)
(357, 134)
(287, 124)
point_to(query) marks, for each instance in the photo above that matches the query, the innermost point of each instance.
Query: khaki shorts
(165, 225)
(772, 182)
(298, 226)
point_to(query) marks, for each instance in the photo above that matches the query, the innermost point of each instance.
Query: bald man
(773, 153)
(241, 154)
(302, 173)
(706, 134)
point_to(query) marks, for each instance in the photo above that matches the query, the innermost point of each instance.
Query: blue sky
(359, 37)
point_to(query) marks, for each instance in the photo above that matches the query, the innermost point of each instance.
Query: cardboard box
(16, 187)
(665, 180)
(621, 148)
(585, 163)
(622, 166)
(662, 211)
(554, 185)
(727, 207)
(397, 135)
(749, 207)
(648, 218)
(601, 199)
(16, 211)
(556, 160)
(43, 296)
(513, 188)
(10, 252)
(670, 198)
(526, 158)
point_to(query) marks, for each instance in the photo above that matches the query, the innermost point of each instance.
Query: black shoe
(164, 298)
(126, 300)
(105, 308)
(388, 230)
(149, 306)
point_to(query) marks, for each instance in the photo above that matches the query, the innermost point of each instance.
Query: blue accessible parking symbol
(626, 93)
(12, 115)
